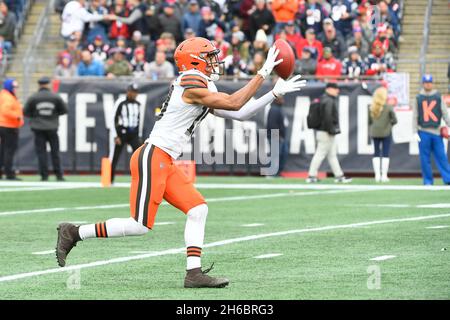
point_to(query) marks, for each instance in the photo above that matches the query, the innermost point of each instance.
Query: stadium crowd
(138, 38)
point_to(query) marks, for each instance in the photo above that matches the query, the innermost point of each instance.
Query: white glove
(416, 137)
(282, 86)
(270, 62)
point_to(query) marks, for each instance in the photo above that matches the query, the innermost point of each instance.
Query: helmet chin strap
(214, 77)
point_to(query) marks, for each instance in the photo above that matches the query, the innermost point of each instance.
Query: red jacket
(330, 67)
(304, 43)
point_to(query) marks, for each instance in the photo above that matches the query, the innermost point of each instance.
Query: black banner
(85, 138)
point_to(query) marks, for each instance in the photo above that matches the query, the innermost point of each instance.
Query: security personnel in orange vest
(429, 111)
(11, 119)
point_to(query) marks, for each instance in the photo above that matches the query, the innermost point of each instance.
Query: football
(285, 68)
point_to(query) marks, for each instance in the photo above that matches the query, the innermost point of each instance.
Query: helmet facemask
(214, 66)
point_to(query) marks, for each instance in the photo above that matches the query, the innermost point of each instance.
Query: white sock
(194, 234)
(117, 227)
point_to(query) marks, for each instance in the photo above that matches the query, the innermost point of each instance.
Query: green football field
(273, 238)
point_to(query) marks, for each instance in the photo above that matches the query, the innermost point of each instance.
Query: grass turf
(321, 264)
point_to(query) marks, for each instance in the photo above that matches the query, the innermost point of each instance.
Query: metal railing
(30, 58)
(426, 31)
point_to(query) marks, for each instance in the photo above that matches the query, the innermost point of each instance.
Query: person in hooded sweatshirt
(11, 119)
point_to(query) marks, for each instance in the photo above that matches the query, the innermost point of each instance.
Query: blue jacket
(191, 20)
(96, 68)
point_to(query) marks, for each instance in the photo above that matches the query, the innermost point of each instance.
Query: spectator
(333, 39)
(189, 33)
(359, 42)
(136, 20)
(386, 37)
(342, 13)
(167, 44)
(117, 65)
(90, 67)
(44, 108)
(99, 28)
(75, 16)
(11, 119)
(364, 22)
(260, 44)
(245, 10)
(170, 23)
(293, 36)
(261, 18)
(257, 62)
(121, 44)
(136, 40)
(389, 17)
(353, 66)
(160, 68)
(310, 41)
(276, 120)
(117, 27)
(138, 63)
(240, 54)
(376, 62)
(153, 23)
(221, 44)
(7, 27)
(192, 18)
(99, 49)
(283, 12)
(381, 119)
(428, 112)
(328, 66)
(65, 69)
(312, 16)
(326, 133)
(59, 5)
(307, 65)
(209, 24)
(72, 48)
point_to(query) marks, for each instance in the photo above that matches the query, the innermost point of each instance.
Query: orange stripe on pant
(154, 177)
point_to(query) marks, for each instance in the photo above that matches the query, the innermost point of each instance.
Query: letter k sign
(428, 111)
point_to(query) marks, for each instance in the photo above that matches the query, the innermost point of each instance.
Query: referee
(126, 125)
(44, 108)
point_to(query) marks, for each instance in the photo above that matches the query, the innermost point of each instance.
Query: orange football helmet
(200, 54)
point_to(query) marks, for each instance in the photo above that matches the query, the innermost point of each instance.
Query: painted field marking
(437, 227)
(44, 252)
(163, 223)
(214, 244)
(222, 199)
(36, 186)
(251, 225)
(269, 255)
(435, 206)
(382, 258)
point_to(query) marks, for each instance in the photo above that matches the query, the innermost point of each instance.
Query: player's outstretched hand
(271, 62)
(285, 86)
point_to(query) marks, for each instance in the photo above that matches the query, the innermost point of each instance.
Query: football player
(155, 177)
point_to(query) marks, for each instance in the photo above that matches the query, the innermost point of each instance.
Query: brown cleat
(196, 278)
(68, 237)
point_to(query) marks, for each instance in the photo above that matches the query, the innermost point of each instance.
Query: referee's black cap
(133, 87)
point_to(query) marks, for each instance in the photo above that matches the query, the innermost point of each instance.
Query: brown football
(286, 68)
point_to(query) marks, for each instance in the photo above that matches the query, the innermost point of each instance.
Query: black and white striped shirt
(127, 116)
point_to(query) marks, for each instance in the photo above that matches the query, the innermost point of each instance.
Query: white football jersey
(178, 120)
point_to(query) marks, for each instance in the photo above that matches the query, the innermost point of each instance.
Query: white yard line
(382, 258)
(239, 186)
(214, 244)
(44, 252)
(437, 227)
(269, 255)
(164, 223)
(223, 199)
(251, 225)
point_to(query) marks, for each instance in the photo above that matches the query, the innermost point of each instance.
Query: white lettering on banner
(364, 144)
(108, 110)
(63, 123)
(212, 127)
(244, 136)
(83, 122)
(342, 139)
(300, 129)
(142, 98)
